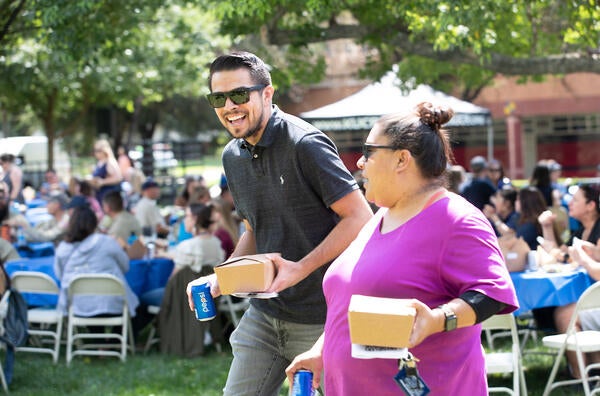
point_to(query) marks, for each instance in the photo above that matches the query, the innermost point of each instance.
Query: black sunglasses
(368, 149)
(238, 96)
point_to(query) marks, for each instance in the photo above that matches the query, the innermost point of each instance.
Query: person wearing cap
(78, 201)
(51, 230)
(479, 189)
(147, 212)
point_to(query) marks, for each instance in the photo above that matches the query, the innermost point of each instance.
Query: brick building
(558, 118)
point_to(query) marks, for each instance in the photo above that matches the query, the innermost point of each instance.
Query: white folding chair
(506, 362)
(527, 330)
(579, 341)
(98, 285)
(45, 324)
(152, 338)
(231, 308)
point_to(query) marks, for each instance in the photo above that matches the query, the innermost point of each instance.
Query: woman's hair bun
(434, 116)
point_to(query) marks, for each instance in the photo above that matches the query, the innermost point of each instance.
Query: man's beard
(252, 130)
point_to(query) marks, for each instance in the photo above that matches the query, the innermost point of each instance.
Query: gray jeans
(262, 348)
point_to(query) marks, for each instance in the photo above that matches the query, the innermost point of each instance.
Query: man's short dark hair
(259, 71)
(113, 200)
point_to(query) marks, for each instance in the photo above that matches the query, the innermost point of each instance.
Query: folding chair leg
(586, 385)
(131, 340)
(522, 380)
(3, 380)
(557, 362)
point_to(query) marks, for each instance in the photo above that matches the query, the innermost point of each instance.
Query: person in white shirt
(51, 230)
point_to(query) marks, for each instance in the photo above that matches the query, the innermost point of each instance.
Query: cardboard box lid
(380, 305)
(245, 274)
(380, 321)
(245, 260)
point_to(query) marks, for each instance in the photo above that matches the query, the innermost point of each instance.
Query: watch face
(451, 322)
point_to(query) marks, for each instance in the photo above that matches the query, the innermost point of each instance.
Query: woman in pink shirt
(425, 244)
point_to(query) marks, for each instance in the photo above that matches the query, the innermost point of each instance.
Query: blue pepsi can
(303, 383)
(204, 305)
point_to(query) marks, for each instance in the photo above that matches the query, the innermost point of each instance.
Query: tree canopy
(59, 58)
(440, 42)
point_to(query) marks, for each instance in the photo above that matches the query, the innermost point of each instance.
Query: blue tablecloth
(538, 289)
(143, 275)
(36, 249)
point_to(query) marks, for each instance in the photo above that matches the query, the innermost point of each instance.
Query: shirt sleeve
(323, 168)
(473, 261)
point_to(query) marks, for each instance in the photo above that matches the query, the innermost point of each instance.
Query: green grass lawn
(159, 375)
(141, 375)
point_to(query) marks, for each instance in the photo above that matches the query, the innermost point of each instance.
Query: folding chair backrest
(590, 299)
(502, 322)
(96, 284)
(498, 322)
(34, 282)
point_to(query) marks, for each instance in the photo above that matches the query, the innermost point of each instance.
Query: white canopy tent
(360, 110)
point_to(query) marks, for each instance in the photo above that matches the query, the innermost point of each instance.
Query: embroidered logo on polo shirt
(281, 179)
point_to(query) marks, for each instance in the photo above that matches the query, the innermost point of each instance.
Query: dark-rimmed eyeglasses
(238, 96)
(368, 149)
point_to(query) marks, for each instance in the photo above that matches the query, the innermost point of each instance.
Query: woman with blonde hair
(107, 174)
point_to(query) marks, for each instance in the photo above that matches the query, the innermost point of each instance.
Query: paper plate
(256, 295)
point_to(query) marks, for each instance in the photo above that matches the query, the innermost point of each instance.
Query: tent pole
(490, 138)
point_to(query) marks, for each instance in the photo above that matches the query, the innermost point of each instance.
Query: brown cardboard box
(379, 321)
(245, 274)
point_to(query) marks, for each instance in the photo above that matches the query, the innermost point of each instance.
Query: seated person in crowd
(147, 212)
(51, 230)
(85, 189)
(227, 229)
(192, 182)
(118, 222)
(588, 320)
(202, 250)
(86, 251)
(530, 205)
(200, 194)
(585, 208)
(501, 212)
(52, 185)
(193, 257)
(7, 252)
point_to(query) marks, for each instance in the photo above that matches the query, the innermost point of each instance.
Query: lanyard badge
(408, 377)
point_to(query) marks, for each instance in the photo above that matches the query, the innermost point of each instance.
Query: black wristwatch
(450, 323)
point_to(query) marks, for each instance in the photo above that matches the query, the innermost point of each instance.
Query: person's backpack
(13, 322)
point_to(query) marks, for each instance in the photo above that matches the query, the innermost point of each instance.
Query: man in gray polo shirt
(296, 198)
